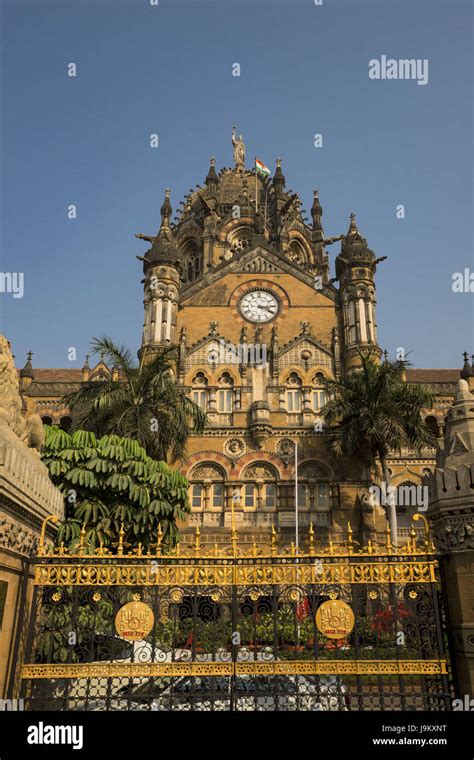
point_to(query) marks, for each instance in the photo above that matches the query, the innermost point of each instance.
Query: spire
(467, 370)
(279, 178)
(86, 370)
(354, 245)
(166, 210)
(212, 179)
(164, 249)
(27, 370)
(316, 212)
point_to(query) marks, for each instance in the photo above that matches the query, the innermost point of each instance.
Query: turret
(279, 180)
(162, 267)
(86, 370)
(355, 269)
(27, 374)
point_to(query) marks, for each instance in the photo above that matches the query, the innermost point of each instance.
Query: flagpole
(297, 537)
(255, 165)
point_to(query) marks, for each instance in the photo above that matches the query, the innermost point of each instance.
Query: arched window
(319, 392)
(296, 253)
(199, 390)
(207, 486)
(193, 260)
(46, 420)
(65, 423)
(261, 488)
(225, 394)
(241, 239)
(294, 395)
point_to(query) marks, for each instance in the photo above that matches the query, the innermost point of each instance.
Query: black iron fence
(338, 628)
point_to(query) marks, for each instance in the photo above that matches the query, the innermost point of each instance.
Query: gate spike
(197, 542)
(273, 546)
(120, 543)
(159, 539)
(350, 545)
(311, 538)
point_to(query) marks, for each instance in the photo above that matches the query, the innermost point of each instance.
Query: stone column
(451, 513)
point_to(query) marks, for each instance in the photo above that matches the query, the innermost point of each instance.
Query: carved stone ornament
(285, 448)
(17, 537)
(454, 537)
(234, 447)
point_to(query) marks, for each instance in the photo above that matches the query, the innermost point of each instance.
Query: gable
(257, 260)
(292, 355)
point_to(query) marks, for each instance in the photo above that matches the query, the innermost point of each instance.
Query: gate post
(451, 512)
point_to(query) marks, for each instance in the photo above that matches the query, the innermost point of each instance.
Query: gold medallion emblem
(335, 619)
(134, 621)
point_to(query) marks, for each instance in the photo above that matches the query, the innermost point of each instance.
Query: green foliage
(108, 481)
(145, 404)
(375, 412)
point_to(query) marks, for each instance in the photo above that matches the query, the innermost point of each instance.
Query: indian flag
(260, 167)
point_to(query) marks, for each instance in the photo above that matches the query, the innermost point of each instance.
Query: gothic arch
(260, 471)
(206, 456)
(256, 457)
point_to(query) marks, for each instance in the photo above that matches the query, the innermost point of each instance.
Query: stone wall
(27, 497)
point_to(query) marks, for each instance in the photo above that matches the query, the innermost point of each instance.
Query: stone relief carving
(285, 449)
(206, 472)
(15, 536)
(234, 447)
(452, 537)
(259, 472)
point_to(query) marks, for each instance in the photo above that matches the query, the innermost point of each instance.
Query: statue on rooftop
(239, 149)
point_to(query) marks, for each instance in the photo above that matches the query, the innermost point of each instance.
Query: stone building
(27, 498)
(241, 281)
(451, 514)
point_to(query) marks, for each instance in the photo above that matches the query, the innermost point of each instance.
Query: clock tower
(240, 280)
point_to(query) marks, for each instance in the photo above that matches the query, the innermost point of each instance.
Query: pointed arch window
(192, 256)
(319, 392)
(296, 253)
(294, 394)
(199, 390)
(225, 394)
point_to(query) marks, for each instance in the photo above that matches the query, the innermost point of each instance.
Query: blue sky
(168, 70)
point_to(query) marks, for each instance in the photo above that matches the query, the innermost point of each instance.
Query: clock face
(259, 306)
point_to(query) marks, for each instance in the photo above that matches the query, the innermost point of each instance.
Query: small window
(319, 399)
(293, 401)
(270, 494)
(47, 420)
(303, 495)
(224, 401)
(200, 398)
(218, 495)
(197, 494)
(322, 496)
(249, 500)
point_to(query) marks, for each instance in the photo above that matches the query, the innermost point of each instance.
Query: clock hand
(267, 308)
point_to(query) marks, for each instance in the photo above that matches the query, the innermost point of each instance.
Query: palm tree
(375, 412)
(144, 404)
